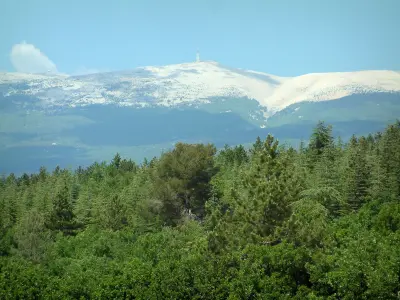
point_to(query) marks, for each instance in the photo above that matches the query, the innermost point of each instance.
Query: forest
(320, 221)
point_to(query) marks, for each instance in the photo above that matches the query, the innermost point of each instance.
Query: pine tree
(260, 205)
(358, 173)
(321, 138)
(307, 223)
(8, 213)
(324, 161)
(43, 174)
(116, 162)
(62, 217)
(390, 158)
(257, 146)
(31, 236)
(241, 155)
(115, 213)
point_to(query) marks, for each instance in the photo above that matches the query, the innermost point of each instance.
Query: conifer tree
(31, 236)
(321, 138)
(321, 145)
(116, 162)
(62, 217)
(261, 204)
(8, 213)
(115, 213)
(43, 174)
(308, 222)
(390, 159)
(357, 177)
(257, 146)
(325, 165)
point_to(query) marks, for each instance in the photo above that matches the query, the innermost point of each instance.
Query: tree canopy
(268, 222)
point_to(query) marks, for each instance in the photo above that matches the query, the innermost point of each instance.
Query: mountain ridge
(193, 83)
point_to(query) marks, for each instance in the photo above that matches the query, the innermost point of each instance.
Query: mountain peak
(195, 82)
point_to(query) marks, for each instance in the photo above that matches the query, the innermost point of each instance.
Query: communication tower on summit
(197, 56)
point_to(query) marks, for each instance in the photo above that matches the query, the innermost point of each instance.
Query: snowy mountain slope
(194, 83)
(331, 86)
(166, 86)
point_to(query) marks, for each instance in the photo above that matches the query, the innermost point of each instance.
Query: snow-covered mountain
(70, 120)
(194, 83)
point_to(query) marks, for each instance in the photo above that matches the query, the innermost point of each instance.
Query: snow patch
(331, 86)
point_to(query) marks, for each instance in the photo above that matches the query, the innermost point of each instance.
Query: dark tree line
(269, 222)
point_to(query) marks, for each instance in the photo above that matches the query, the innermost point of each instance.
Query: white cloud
(27, 58)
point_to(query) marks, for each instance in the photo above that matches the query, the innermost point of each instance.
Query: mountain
(74, 120)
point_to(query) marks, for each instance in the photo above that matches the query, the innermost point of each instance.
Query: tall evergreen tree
(116, 162)
(358, 172)
(62, 217)
(261, 204)
(115, 213)
(321, 138)
(257, 146)
(326, 165)
(390, 159)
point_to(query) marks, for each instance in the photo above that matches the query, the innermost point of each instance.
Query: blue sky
(283, 37)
